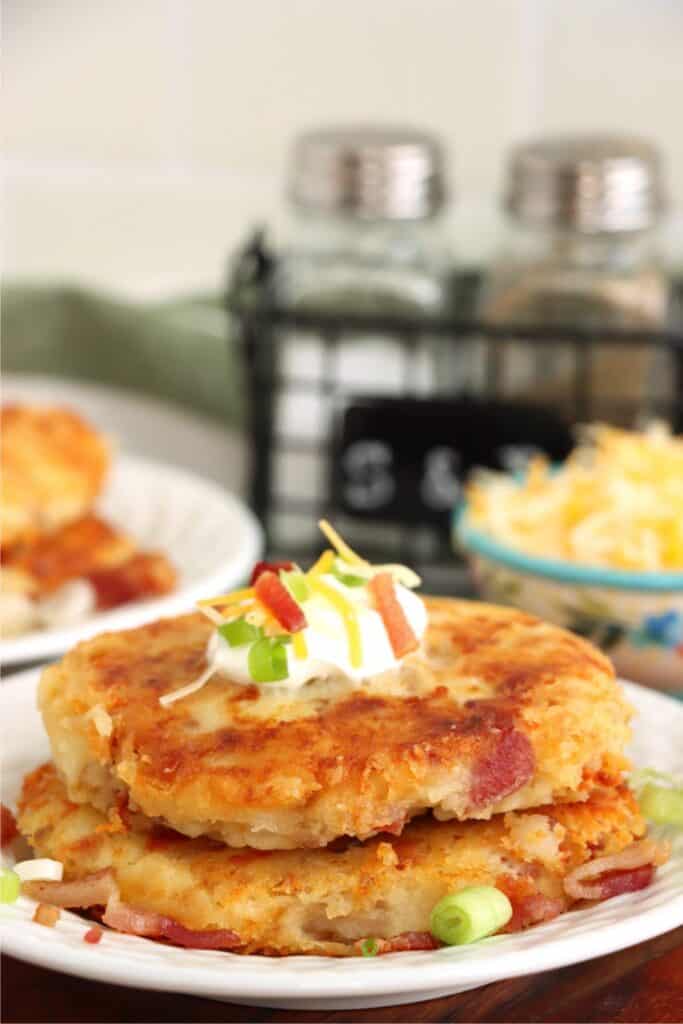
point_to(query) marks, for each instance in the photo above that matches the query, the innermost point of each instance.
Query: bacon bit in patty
(403, 943)
(598, 879)
(143, 575)
(529, 906)
(160, 838)
(93, 936)
(8, 826)
(614, 883)
(394, 828)
(124, 918)
(507, 768)
(400, 632)
(46, 914)
(218, 938)
(122, 812)
(273, 594)
(275, 567)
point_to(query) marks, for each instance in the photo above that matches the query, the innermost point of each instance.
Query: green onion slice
(296, 584)
(348, 580)
(470, 915)
(268, 660)
(240, 632)
(10, 886)
(662, 805)
(345, 574)
(369, 947)
(401, 573)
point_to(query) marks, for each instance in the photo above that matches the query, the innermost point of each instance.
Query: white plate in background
(320, 983)
(210, 536)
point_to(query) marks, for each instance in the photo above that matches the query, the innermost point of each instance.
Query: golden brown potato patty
(53, 465)
(497, 711)
(324, 901)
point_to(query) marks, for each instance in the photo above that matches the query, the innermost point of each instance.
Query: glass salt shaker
(367, 226)
(581, 252)
(366, 236)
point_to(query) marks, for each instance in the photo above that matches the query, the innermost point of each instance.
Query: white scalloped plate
(317, 983)
(211, 537)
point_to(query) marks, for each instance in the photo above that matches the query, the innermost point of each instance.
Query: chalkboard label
(405, 459)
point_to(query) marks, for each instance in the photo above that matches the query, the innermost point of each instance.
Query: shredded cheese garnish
(185, 691)
(246, 603)
(211, 614)
(349, 615)
(234, 598)
(616, 502)
(339, 545)
(322, 566)
(401, 573)
(299, 646)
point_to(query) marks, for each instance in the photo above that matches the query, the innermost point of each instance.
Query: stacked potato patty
(262, 819)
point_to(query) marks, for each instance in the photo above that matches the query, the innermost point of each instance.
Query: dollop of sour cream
(327, 641)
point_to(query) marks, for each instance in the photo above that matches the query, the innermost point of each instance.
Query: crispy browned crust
(498, 711)
(53, 465)
(323, 901)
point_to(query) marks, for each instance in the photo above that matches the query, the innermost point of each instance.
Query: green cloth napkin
(178, 350)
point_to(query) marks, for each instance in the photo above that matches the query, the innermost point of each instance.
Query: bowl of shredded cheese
(595, 545)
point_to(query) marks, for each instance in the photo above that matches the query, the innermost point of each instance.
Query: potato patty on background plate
(53, 467)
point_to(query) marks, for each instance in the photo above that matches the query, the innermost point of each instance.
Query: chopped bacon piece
(46, 914)
(144, 575)
(614, 883)
(272, 593)
(8, 826)
(597, 879)
(529, 905)
(394, 828)
(505, 769)
(400, 632)
(404, 942)
(533, 910)
(123, 811)
(275, 567)
(124, 918)
(217, 938)
(93, 936)
(161, 838)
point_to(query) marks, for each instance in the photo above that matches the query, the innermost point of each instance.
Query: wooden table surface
(641, 984)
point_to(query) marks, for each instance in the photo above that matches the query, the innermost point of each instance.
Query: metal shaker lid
(592, 183)
(368, 172)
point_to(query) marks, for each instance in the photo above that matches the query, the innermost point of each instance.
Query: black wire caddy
(383, 447)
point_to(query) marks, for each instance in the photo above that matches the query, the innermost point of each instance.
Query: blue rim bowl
(479, 543)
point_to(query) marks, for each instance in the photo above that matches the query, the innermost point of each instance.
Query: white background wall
(142, 137)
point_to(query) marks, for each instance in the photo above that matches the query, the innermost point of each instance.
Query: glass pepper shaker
(581, 252)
